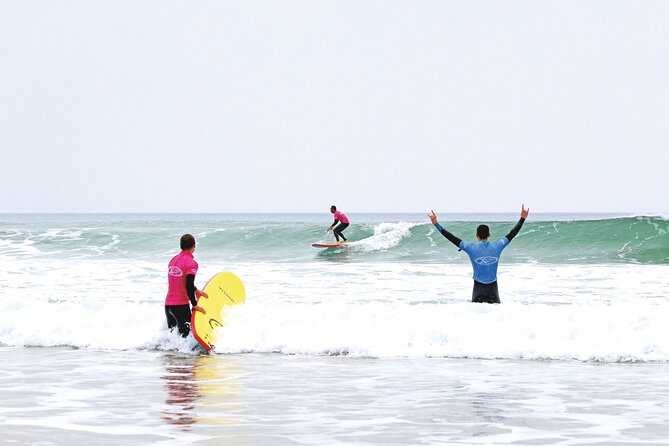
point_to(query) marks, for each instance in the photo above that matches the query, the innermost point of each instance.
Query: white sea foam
(605, 313)
(583, 332)
(63, 234)
(386, 236)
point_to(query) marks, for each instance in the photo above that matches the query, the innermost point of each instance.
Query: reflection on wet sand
(204, 392)
(182, 391)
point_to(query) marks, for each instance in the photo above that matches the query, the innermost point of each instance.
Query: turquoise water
(545, 238)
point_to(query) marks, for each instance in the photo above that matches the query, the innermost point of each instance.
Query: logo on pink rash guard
(175, 271)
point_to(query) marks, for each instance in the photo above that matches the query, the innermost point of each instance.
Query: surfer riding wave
(340, 218)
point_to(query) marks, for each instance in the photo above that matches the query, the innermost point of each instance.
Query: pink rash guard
(341, 217)
(181, 265)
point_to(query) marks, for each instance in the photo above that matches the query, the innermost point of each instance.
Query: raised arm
(453, 239)
(516, 229)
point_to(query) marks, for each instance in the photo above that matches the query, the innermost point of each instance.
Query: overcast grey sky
(377, 106)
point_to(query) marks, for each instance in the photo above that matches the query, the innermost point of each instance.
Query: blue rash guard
(484, 255)
(485, 258)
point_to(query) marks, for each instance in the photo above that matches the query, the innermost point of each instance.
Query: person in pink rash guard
(181, 287)
(340, 218)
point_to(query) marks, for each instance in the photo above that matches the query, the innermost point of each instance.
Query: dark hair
(187, 242)
(483, 232)
(333, 208)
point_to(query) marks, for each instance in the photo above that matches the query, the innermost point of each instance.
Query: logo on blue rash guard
(487, 260)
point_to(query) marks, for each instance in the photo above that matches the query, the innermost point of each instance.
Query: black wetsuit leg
(178, 316)
(337, 231)
(485, 293)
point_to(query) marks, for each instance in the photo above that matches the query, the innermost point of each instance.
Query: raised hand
(433, 217)
(524, 212)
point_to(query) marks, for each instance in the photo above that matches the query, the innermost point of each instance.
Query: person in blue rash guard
(484, 256)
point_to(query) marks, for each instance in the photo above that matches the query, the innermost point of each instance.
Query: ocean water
(374, 343)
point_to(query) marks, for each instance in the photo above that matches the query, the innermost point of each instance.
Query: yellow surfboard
(224, 290)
